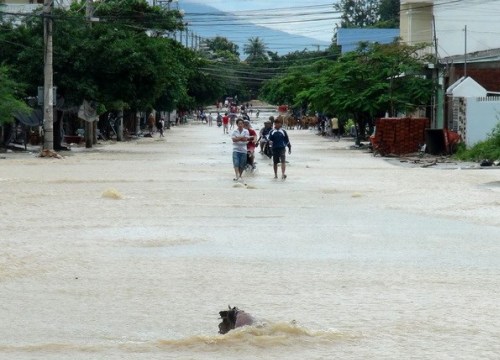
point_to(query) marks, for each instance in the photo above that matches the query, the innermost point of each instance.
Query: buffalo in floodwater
(233, 318)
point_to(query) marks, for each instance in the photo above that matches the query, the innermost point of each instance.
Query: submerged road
(129, 251)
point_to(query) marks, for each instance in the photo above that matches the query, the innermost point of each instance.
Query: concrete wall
(416, 23)
(482, 115)
(467, 87)
(451, 17)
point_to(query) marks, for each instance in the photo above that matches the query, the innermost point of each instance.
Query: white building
(451, 19)
(20, 6)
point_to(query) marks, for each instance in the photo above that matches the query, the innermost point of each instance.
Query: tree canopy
(388, 12)
(10, 97)
(362, 84)
(256, 50)
(221, 47)
(121, 61)
(357, 13)
(368, 13)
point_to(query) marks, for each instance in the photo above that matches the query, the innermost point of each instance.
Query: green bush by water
(488, 149)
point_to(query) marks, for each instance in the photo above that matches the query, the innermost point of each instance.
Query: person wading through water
(240, 137)
(278, 138)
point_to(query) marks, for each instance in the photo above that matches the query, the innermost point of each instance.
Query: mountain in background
(209, 22)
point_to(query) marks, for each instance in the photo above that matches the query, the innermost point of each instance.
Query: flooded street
(129, 251)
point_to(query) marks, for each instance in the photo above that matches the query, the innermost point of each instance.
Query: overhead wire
(269, 18)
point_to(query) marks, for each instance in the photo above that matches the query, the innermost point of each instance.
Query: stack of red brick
(398, 136)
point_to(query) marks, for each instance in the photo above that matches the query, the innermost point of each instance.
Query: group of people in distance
(245, 142)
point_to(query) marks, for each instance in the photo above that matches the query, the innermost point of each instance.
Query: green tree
(402, 71)
(137, 15)
(295, 72)
(121, 62)
(288, 88)
(115, 61)
(256, 50)
(22, 52)
(368, 13)
(203, 87)
(357, 13)
(373, 80)
(127, 68)
(222, 46)
(388, 12)
(10, 97)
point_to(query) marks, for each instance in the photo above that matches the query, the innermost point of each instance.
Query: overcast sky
(480, 16)
(311, 18)
(316, 19)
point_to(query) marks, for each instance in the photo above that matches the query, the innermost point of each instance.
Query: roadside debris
(50, 153)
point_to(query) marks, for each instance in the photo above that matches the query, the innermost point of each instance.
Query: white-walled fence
(475, 118)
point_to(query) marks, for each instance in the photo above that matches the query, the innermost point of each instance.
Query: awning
(35, 118)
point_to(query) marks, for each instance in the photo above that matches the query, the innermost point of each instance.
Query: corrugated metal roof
(491, 55)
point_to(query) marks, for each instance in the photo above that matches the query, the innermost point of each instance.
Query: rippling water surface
(129, 251)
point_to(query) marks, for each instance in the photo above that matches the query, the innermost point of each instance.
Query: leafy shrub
(347, 126)
(488, 149)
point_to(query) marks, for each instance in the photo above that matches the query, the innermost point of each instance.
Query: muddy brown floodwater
(129, 251)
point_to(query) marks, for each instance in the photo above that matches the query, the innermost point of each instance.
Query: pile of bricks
(398, 136)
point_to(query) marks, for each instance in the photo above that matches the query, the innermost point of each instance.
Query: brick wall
(398, 136)
(486, 74)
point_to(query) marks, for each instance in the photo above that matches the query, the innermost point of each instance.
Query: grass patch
(488, 149)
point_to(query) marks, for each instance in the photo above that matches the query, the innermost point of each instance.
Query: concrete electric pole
(48, 75)
(89, 125)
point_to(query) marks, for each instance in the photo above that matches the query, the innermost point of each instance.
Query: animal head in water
(228, 320)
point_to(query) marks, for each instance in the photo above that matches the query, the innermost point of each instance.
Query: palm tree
(255, 49)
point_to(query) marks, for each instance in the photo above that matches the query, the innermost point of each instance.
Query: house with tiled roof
(468, 68)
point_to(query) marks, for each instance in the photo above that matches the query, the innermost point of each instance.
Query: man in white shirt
(240, 137)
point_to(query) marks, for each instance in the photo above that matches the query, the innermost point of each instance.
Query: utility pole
(317, 46)
(465, 53)
(435, 77)
(48, 78)
(89, 125)
(187, 37)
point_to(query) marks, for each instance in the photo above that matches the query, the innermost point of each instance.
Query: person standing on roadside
(151, 123)
(335, 128)
(279, 141)
(160, 126)
(240, 137)
(233, 114)
(225, 124)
